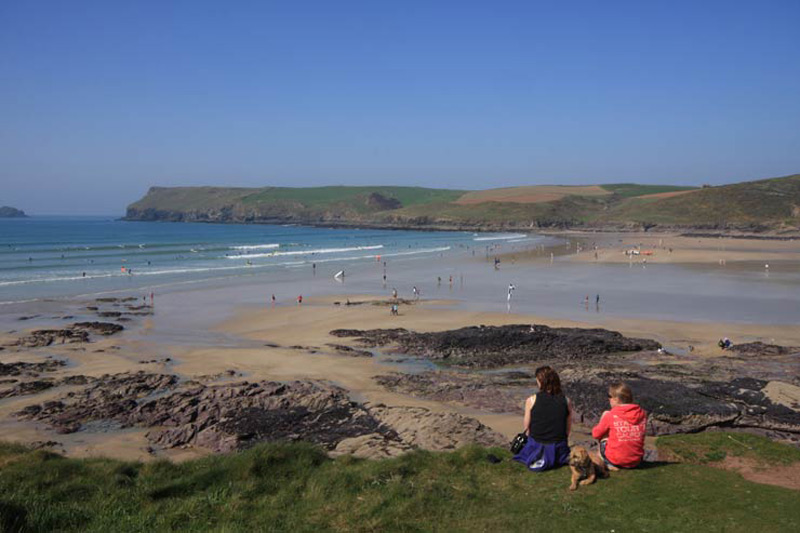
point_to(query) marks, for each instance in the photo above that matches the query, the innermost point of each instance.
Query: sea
(56, 256)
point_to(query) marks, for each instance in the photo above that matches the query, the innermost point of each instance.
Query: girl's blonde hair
(621, 391)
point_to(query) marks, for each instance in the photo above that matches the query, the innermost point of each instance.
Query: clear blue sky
(100, 100)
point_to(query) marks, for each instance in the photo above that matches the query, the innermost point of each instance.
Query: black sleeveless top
(549, 418)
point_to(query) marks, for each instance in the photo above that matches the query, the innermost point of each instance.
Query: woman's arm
(526, 421)
(569, 417)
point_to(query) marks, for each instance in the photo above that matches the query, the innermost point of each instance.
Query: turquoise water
(50, 257)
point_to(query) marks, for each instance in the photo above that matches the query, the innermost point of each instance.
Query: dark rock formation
(109, 398)
(380, 202)
(21, 368)
(494, 346)
(46, 337)
(349, 350)
(99, 328)
(11, 212)
(76, 333)
(27, 387)
(503, 392)
(761, 349)
(232, 416)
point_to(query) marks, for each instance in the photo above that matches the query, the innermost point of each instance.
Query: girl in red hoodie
(621, 430)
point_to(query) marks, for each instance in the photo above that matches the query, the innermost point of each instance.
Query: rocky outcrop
(349, 350)
(21, 368)
(502, 392)
(760, 349)
(11, 212)
(379, 202)
(679, 398)
(76, 333)
(232, 416)
(495, 346)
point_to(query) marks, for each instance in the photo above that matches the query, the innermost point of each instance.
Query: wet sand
(676, 249)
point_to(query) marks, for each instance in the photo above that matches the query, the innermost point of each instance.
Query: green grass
(295, 487)
(753, 204)
(631, 190)
(710, 447)
(322, 196)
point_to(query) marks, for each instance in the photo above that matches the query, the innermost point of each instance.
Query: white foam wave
(421, 251)
(174, 271)
(503, 237)
(308, 252)
(256, 247)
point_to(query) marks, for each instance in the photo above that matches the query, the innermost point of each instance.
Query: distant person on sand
(394, 310)
(300, 299)
(273, 300)
(621, 430)
(511, 289)
(547, 422)
(394, 293)
(416, 292)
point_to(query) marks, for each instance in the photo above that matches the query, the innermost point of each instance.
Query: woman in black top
(547, 422)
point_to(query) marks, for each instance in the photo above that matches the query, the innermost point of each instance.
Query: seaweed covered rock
(493, 346)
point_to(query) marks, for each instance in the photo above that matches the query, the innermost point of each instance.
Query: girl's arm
(600, 431)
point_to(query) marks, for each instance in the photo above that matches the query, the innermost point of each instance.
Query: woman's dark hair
(548, 380)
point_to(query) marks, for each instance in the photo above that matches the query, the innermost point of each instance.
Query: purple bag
(540, 457)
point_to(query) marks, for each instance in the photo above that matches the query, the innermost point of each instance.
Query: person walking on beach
(300, 299)
(511, 289)
(273, 300)
(394, 293)
(416, 292)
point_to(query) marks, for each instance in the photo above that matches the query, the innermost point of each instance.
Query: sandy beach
(678, 249)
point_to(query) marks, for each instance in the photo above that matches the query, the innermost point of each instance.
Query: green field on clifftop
(764, 205)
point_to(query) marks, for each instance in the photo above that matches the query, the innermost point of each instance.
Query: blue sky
(100, 100)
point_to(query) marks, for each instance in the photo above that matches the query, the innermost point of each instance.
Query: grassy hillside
(755, 204)
(632, 190)
(772, 204)
(295, 487)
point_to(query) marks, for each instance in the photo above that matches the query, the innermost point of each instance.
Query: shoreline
(557, 231)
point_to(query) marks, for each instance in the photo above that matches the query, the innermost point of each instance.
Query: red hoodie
(624, 426)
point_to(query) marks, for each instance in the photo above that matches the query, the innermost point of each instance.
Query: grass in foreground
(296, 487)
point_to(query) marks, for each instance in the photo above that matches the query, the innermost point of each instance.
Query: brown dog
(585, 466)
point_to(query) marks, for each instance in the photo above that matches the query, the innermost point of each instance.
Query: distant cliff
(11, 212)
(771, 205)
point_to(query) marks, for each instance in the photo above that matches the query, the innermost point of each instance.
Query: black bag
(519, 442)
